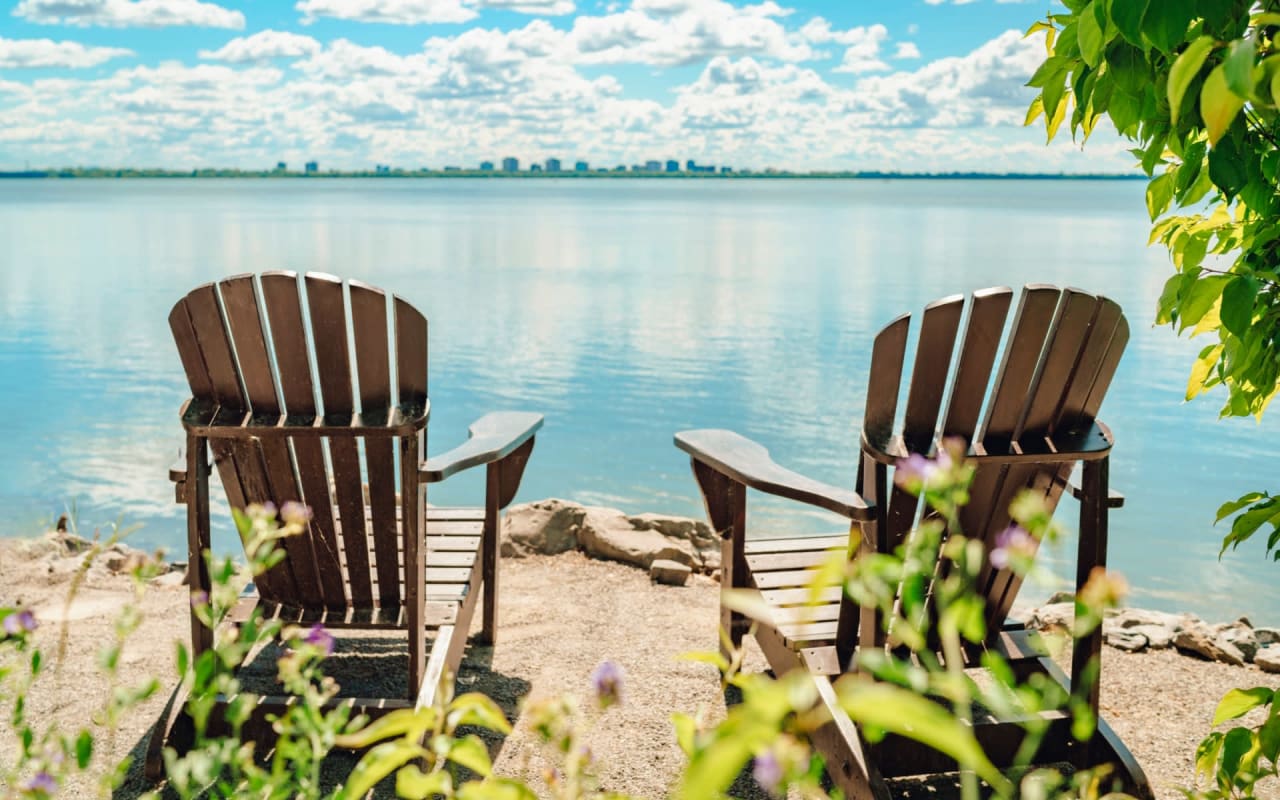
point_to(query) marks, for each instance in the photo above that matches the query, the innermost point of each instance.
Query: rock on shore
(549, 527)
(1136, 629)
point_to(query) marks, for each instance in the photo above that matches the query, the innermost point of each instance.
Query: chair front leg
(502, 480)
(1087, 651)
(196, 493)
(726, 503)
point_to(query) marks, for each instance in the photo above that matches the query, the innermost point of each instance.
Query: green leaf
(1127, 16)
(1159, 193)
(686, 727)
(1238, 702)
(1227, 169)
(1166, 21)
(377, 764)
(84, 749)
(411, 723)
(413, 784)
(1227, 509)
(474, 708)
(1238, 67)
(1218, 104)
(1184, 69)
(1237, 304)
(901, 711)
(1200, 370)
(1207, 754)
(471, 753)
(1091, 36)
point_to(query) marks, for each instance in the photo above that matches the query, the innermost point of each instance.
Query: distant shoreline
(68, 173)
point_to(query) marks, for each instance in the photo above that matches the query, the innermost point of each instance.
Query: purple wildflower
(607, 679)
(1011, 544)
(320, 638)
(20, 622)
(199, 599)
(767, 771)
(42, 783)
(295, 513)
(914, 470)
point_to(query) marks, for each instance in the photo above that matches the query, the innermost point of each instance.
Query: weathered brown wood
(411, 354)
(747, 463)
(987, 314)
(413, 500)
(295, 576)
(756, 546)
(333, 369)
(489, 551)
(938, 327)
(369, 325)
(198, 538)
(293, 365)
(885, 377)
(734, 573)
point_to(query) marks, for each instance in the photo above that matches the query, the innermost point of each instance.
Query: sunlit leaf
(377, 764)
(1184, 69)
(1238, 702)
(1218, 104)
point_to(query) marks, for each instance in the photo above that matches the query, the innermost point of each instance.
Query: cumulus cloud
(425, 12)
(677, 32)
(403, 12)
(129, 13)
(263, 46)
(985, 87)
(484, 93)
(549, 8)
(906, 50)
(31, 53)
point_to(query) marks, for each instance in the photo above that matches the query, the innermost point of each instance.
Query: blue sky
(917, 85)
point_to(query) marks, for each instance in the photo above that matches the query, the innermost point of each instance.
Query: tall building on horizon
(510, 164)
(673, 166)
(581, 166)
(486, 166)
(553, 165)
(311, 167)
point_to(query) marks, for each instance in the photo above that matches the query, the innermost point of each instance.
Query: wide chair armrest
(491, 438)
(746, 462)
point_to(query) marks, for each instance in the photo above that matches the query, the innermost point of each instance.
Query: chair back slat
(938, 326)
(247, 350)
(1058, 359)
(411, 354)
(295, 577)
(884, 381)
(293, 366)
(987, 314)
(369, 326)
(333, 369)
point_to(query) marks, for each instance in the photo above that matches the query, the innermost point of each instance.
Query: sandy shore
(559, 617)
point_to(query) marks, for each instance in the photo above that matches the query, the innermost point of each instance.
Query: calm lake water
(624, 311)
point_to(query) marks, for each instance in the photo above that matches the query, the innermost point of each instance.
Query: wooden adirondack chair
(1059, 358)
(374, 556)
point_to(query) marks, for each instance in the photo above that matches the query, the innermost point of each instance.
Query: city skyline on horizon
(928, 86)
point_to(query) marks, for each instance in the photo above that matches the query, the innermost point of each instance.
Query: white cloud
(676, 32)
(984, 88)
(486, 93)
(129, 13)
(30, 53)
(550, 8)
(425, 12)
(262, 46)
(403, 12)
(906, 50)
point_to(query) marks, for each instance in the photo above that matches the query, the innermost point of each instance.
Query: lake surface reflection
(623, 310)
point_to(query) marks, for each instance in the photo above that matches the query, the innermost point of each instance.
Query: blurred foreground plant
(47, 756)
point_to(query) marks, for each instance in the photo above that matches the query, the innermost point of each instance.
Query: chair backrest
(282, 348)
(1060, 353)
